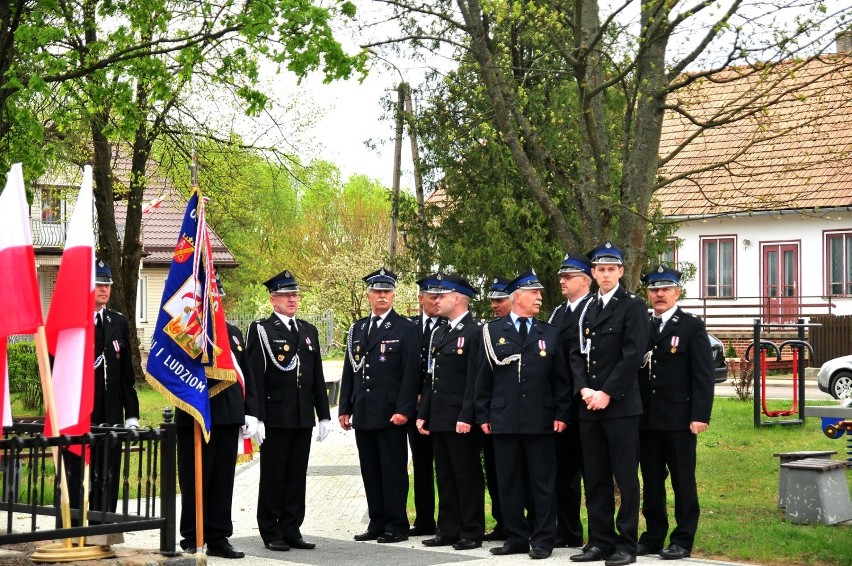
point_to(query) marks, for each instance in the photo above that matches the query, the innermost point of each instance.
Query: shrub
(24, 380)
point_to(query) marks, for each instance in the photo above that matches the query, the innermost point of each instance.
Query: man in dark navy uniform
(575, 278)
(605, 365)
(522, 398)
(500, 306)
(447, 414)
(422, 451)
(286, 361)
(233, 407)
(676, 384)
(115, 402)
(378, 393)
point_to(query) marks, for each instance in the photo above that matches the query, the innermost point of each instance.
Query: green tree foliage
(24, 380)
(98, 81)
(328, 231)
(575, 93)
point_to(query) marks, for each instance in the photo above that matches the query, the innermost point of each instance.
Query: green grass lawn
(738, 488)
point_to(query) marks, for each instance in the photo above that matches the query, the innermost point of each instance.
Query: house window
(51, 207)
(669, 256)
(717, 267)
(839, 263)
(142, 300)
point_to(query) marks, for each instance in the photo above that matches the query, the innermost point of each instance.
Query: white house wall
(749, 234)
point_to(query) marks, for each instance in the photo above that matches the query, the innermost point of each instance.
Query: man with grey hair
(522, 398)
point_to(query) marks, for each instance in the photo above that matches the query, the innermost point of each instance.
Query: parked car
(719, 363)
(835, 377)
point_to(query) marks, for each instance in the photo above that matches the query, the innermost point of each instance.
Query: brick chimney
(844, 42)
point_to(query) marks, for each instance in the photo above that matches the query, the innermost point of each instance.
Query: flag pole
(50, 404)
(199, 479)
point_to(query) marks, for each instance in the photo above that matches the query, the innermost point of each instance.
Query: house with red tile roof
(764, 203)
(163, 210)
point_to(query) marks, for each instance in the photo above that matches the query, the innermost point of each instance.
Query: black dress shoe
(189, 549)
(507, 549)
(440, 541)
(674, 552)
(591, 554)
(537, 553)
(467, 544)
(421, 531)
(392, 537)
(224, 550)
(367, 536)
(277, 545)
(644, 550)
(620, 558)
(301, 544)
(562, 542)
(494, 535)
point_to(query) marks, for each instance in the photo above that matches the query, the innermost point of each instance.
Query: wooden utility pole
(415, 155)
(397, 172)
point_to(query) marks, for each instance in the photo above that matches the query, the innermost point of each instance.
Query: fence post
(168, 478)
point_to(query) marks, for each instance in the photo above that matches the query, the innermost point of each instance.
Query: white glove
(250, 428)
(323, 429)
(132, 422)
(260, 433)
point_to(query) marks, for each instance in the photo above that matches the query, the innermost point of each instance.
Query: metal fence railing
(133, 482)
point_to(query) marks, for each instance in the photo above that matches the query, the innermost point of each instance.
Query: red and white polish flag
(70, 324)
(18, 281)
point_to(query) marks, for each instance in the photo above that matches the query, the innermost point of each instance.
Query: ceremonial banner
(18, 282)
(70, 324)
(188, 343)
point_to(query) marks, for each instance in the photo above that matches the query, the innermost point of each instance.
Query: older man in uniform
(422, 450)
(677, 394)
(232, 408)
(378, 393)
(522, 398)
(115, 402)
(446, 413)
(285, 358)
(575, 278)
(605, 364)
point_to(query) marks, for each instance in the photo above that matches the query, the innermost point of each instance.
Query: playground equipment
(760, 348)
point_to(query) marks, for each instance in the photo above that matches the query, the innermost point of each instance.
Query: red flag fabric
(18, 283)
(70, 325)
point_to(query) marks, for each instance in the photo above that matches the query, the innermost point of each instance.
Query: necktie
(427, 329)
(373, 325)
(600, 306)
(293, 329)
(657, 323)
(522, 328)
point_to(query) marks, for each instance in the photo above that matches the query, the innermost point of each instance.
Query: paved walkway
(337, 510)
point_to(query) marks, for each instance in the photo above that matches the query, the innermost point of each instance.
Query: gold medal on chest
(280, 358)
(502, 340)
(587, 332)
(357, 357)
(358, 348)
(542, 353)
(286, 347)
(459, 351)
(674, 350)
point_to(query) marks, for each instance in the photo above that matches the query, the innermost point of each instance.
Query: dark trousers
(611, 449)
(422, 460)
(283, 482)
(663, 452)
(383, 455)
(104, 476)
(461, 489)
(569, 462)
(538, 453)
(490, 466)
(218, 462)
